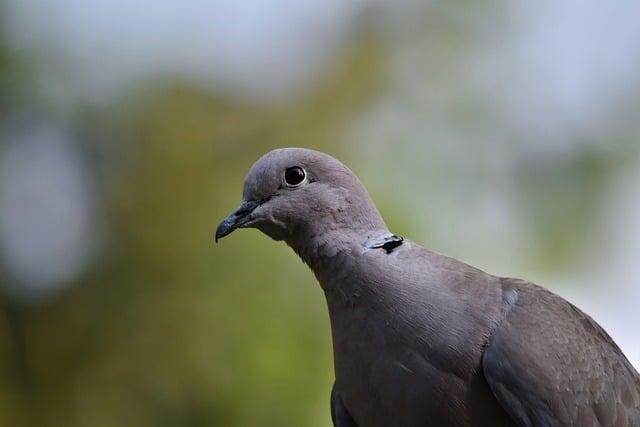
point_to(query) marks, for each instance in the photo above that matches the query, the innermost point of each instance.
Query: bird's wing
(550, 364)
(339, 414)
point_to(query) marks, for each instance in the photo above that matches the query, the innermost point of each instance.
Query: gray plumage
(422, 339)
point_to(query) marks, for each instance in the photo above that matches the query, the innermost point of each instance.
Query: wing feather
(550, 364)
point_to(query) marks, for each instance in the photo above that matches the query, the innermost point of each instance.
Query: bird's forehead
(265, 175)
(260, 181)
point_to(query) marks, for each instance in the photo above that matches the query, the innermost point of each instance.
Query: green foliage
(168, 329)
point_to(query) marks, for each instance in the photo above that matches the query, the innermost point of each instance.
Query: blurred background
(504, 134)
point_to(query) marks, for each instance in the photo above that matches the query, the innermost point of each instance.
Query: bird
(422, 339)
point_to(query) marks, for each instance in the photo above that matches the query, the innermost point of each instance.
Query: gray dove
(421, 339)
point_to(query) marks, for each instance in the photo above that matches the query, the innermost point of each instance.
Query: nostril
(246, 208)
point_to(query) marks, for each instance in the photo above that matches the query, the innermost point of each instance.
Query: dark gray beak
(236, 219)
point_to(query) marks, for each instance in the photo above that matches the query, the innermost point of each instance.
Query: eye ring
(295, 176)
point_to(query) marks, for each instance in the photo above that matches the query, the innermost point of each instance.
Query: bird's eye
(294, 176)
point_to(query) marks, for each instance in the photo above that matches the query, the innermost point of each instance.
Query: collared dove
(423, 339)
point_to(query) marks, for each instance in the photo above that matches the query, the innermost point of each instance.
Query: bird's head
(294, 194)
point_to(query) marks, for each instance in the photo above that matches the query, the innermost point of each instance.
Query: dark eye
(294, 176)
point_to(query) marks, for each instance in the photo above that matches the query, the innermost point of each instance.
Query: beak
(236, 219)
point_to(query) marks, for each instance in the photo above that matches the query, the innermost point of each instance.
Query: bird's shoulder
(437, 274)
(424, 263)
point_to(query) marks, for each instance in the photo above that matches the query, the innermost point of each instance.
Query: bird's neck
(333, 242)
(333, 255)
